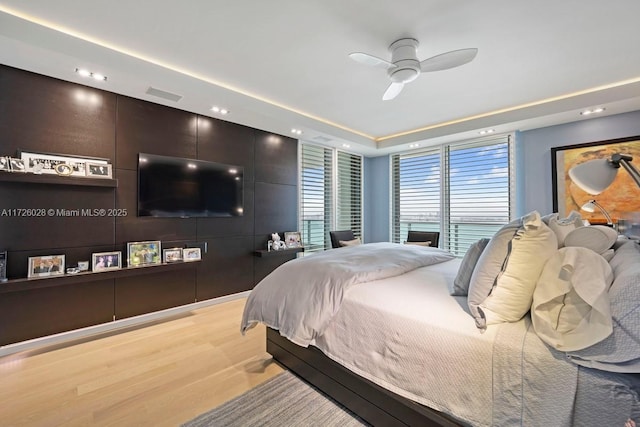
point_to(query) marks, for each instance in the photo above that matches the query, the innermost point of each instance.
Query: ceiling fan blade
(392, 91)
(374, 61)
(447, 60)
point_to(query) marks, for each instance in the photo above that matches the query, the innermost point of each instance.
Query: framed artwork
(143, 253)
(48, 265)
(17, 165)
(293, 239)
(191, 254)
(83, 265)
(619, 200)
(46, 163)
(172, 255)
(103, 261)
(98, 170)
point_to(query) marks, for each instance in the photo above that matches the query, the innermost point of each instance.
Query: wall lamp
(596, 175)
(591, 206)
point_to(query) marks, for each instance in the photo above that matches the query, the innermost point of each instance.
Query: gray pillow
(620, 352)
(460, 285)
(488, 267)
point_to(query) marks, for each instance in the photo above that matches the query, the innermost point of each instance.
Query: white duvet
(302, 296)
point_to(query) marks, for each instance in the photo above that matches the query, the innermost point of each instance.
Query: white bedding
(407, 334)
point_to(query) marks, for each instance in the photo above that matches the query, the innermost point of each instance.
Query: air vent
(164, 94)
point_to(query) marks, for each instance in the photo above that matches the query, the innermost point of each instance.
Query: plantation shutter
(349, 191)
(316, 199)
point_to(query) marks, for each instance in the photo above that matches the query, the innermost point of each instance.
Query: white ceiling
(284, 64)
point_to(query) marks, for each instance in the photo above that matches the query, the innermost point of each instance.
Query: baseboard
(114, 326)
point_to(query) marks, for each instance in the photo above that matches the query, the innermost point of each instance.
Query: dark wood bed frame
(374, 404)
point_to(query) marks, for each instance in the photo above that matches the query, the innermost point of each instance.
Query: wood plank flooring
(163, 374)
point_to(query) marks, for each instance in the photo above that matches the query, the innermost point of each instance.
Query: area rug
(284, 400)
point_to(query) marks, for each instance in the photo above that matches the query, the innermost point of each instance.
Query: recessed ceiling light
(219, 110)
(346, 145)
(414, 145)
(296, 131)
(86, 73)
(486, 131)
(593, 111)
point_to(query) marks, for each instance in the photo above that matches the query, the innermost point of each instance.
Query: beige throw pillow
(353, 242)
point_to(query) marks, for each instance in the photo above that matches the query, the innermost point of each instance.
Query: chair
(424, 236)
(343, 235)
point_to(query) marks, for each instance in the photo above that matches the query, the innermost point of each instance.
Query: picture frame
(83, 265)
(46, 265)
(45, 163)
(191, 254)
(293, 239)
(5, 164)
(104, 261)
(172, 255)
(17, 165)
(98, 170)
(619, 199)
(144, 253)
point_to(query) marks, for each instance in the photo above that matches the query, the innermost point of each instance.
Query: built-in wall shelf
(281, 252)
(33, 178)
(17, 285)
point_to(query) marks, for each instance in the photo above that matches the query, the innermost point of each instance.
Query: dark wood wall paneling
(42, 114)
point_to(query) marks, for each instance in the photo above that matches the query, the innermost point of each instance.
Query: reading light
(596, 175)
(591, 206)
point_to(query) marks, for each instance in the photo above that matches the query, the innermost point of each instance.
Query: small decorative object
(49, 265)
(102, 261)
(293, 239)
(17, 165)
(83, 265)
(191, 254)
(98, 170)
(143, 253)
(172, 255)
(72, 270)
(63, 169)
(3, 266)
(4, 164)
(276, 243)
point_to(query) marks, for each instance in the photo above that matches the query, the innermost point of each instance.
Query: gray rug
(284, 400)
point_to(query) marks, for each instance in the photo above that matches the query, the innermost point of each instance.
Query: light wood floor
(158, 375)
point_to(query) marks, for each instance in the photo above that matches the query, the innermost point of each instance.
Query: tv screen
(186, 188)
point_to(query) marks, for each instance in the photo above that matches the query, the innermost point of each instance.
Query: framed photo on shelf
(98, 170)
(47, 265)
(83, 265)
(17, 165)
(102, 261)
(618, 199)
(144, 253)
(4, 164)
(45, 163)
(172, 255)
(293, 239)
(191, 254)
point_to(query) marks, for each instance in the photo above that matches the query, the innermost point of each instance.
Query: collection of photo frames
(139, 254)
(55, 164)
(292, 239)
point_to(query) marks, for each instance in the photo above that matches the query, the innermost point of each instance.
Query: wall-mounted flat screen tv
(187, 188)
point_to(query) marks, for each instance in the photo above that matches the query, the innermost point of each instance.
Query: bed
(375, 326)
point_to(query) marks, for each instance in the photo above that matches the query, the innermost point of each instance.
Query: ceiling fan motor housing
(404, 57)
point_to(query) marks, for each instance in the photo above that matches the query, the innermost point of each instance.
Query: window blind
(316, 196)
(349, 193)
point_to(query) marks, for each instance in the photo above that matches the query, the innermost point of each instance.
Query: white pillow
(353, 242)
(512, 295)
(598, 238)
(571, 308)
(418, 243)
(563, 226)
(489, 265)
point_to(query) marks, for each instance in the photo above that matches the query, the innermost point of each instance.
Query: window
(463, 190)
(330, 194)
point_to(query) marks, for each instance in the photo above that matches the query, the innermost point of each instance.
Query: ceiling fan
(404, 66)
